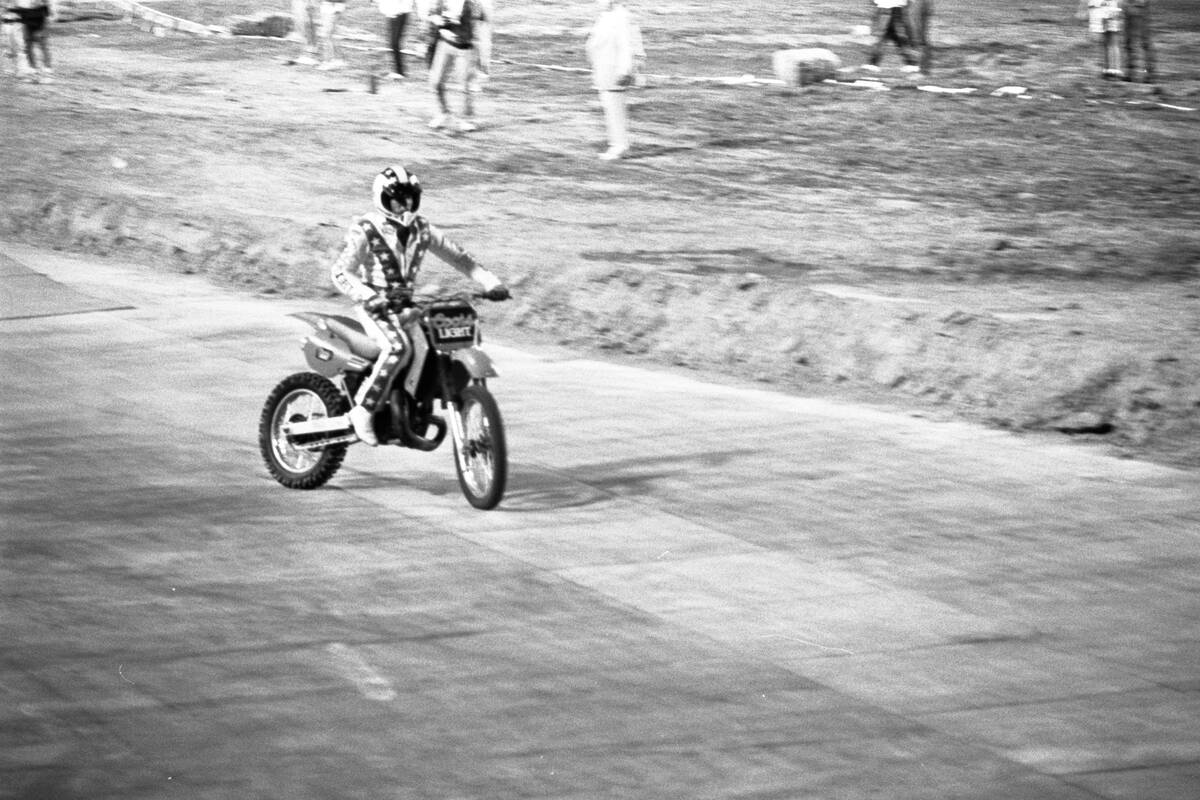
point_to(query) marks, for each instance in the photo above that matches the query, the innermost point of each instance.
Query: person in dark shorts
(34, 14)
(1137, 37)
(398, 13)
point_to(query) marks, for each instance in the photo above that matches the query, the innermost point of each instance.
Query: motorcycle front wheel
(297, 398)
(482, 458)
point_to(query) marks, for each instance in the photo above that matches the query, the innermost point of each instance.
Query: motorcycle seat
(351, 331)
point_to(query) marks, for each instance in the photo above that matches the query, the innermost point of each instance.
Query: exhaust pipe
(313, 434)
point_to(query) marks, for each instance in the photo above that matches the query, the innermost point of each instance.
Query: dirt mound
(1038, 367)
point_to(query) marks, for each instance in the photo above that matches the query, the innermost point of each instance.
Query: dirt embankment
(816, 243)
(1093, 367)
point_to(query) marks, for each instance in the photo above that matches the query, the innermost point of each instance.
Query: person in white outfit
(12, 41)
(455, 25)
(331, 15)
(1105, 20)
(483, 46)
(306, 20)
(615, 51)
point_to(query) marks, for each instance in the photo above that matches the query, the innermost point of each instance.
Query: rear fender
(326, 353)
(329, 356)
(313, 318)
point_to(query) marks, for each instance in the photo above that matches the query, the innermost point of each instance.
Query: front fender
(477, 363)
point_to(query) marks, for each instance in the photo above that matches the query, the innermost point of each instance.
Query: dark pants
(33, 22)
(891, 25)
(920, 17)
(1137, 36)
(396, 28)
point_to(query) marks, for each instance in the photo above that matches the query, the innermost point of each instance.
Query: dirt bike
(303, 431)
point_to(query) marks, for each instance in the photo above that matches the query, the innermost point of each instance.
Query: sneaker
(869, 68)
(466, 126)
(364, 425)
(439, 121)
(613, 153)
(910, 68)
(336, 63)
(306, 61)
(395, 76)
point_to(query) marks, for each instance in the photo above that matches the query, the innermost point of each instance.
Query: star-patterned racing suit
(382, 256)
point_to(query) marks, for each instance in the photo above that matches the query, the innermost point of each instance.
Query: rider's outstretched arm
(457, 257)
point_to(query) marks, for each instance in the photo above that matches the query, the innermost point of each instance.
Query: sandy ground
(1030, 262)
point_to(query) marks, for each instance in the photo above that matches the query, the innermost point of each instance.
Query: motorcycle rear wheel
(482, 461)
(299, 397)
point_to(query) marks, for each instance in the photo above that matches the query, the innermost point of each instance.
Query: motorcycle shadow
(535, 488)
(529, 490)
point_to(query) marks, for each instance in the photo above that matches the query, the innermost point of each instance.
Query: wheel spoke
(298, 398)
(476, 448)
(481, 452)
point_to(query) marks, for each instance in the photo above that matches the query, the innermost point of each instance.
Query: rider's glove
(498, 293)
(377, 304)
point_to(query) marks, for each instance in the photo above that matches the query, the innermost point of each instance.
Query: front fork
(457, 431)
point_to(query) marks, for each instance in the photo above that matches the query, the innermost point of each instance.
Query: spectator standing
(920, 19)
(306, 16)
(331, 15)
(483, 46)
(1137, 36)
(398, 14)
(453, 25)
(1104, 20)
(12, 41)
(35, 35)
(890, 23)
(614, 49)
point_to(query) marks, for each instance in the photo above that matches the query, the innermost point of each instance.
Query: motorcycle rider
(379, 264)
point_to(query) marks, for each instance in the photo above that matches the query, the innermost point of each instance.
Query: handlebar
(400, 299)
(429, 299)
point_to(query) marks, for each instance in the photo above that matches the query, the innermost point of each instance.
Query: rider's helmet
(397, 192)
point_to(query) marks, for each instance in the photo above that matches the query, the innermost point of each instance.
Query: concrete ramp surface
(691, 591)
(25, 294)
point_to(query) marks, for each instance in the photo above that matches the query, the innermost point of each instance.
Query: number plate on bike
(452, 325)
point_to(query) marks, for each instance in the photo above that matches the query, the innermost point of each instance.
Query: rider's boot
(364, 427)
